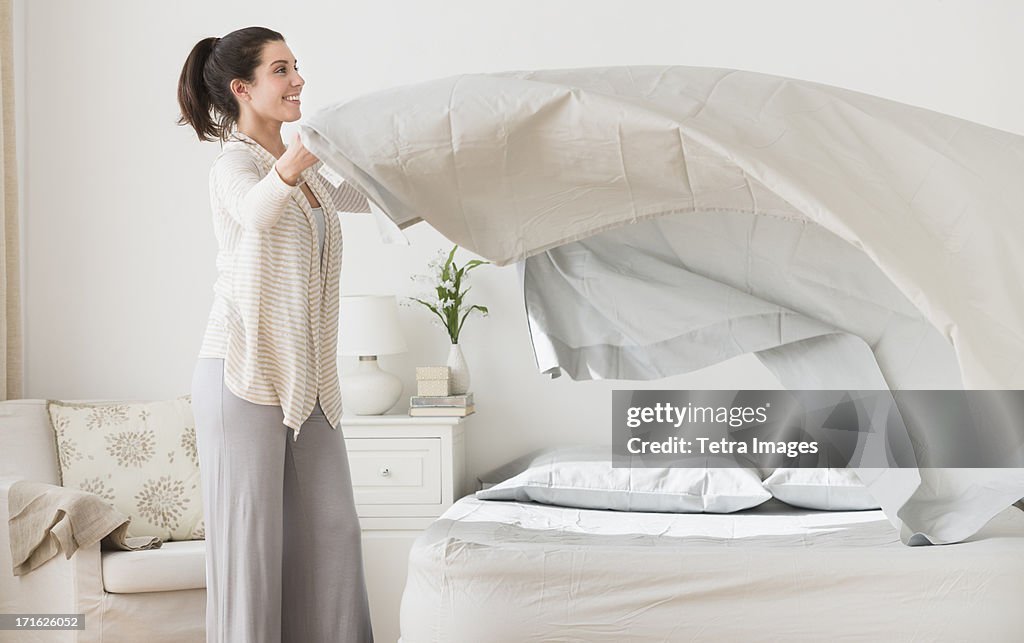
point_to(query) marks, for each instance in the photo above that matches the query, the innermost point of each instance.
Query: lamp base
(369, 390)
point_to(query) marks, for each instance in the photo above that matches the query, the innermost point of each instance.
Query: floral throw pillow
(138, 456)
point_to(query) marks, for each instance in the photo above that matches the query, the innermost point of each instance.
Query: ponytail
(204, 88)
(193, 97)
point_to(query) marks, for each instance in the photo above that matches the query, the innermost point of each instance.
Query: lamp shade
(369, 326)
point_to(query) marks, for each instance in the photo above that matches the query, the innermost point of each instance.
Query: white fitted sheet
(520, 572)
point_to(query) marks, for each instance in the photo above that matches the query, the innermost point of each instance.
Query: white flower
(437, 263)
(439, 292)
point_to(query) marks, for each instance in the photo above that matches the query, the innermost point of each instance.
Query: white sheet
(509, 165)
(684, 291)
(521, 572)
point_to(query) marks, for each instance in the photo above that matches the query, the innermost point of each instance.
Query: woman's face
(274, 92)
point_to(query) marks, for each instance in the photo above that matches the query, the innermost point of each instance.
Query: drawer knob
(384, 472)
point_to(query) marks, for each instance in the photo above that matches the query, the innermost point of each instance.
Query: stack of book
(441, 405)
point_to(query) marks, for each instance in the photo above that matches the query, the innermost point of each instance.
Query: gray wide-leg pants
(283, 544)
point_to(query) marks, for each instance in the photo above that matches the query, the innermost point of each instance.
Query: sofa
(151, 596)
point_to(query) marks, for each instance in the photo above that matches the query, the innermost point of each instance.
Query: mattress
(520, 572)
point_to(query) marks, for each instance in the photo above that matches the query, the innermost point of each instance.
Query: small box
(433, 372)
(433, 380)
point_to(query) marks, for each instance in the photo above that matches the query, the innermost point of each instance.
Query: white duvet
(919, 210)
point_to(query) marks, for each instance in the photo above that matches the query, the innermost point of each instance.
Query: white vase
(459, 384)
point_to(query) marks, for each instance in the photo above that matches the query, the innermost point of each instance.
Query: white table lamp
(369, 327)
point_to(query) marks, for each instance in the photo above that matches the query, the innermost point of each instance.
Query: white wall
(119, 245)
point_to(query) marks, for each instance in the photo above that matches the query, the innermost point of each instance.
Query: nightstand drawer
(395, 471)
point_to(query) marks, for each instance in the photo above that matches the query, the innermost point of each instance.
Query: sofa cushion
(139, 456)
(27, 448)
(176, 565)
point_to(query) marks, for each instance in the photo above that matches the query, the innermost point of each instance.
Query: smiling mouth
(293, 100)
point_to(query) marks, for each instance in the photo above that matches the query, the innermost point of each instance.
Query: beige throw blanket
(45, 519)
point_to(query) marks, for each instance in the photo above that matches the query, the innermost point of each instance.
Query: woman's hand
(294, 160)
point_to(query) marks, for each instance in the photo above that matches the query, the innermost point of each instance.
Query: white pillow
(826, 488)
(584, 477)
(138, 456)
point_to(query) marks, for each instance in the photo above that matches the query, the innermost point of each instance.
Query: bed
(496, 571)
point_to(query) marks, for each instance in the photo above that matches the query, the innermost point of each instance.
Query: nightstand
(406, 471)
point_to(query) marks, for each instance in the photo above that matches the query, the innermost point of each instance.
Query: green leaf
(434, 310)
(463, 320)
(448, 263)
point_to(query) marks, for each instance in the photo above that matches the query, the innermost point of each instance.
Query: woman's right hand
(294, 160)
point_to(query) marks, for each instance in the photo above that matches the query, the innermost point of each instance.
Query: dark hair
(204, 89)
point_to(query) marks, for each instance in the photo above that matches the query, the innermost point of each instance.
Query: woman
(284, 558)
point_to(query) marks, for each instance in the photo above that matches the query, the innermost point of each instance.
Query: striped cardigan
(274, 318)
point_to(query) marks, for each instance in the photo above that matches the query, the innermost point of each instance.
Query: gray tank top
(321, 226)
